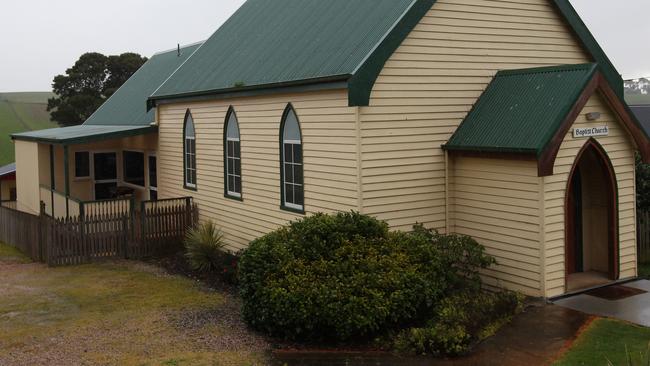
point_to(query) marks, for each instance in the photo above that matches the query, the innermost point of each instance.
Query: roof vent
(178, 49)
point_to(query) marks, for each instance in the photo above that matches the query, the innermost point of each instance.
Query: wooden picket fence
(85, 239)
(160, 226)
(643, 236)
(100, 234)
(23, 231)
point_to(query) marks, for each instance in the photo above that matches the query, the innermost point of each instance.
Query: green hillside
(21, 112)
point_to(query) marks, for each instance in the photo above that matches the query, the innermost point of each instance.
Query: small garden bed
(347, 281)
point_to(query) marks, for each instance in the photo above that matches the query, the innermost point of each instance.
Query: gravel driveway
(117, 313)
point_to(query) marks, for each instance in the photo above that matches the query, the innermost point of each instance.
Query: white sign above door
(591, 131)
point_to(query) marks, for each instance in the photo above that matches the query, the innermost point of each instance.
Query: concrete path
(634, 309)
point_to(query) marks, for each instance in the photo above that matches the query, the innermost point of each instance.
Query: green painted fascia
(298, 86)
(556, 68)
(490, 149)
(591, 70)
(557, 124)
(361, 84)
(90, 138)
(590, 43)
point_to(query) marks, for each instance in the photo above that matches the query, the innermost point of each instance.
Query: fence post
(125, 235)
(188, 212)
(41, 219)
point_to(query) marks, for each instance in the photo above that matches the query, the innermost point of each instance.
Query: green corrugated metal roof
(83, 134)
(283, 41)
(269, 46)
(521, 110)
(124, 113)
(126, 106)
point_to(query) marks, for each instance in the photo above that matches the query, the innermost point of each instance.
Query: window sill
(134, 186)
(234, 198)
(292, 210)
(190, 188)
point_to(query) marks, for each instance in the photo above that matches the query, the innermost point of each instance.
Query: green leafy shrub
(228, 267)
(458, 322)
(343, 276)
(204, 247)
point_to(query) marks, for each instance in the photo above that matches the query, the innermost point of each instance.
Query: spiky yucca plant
(204, 247)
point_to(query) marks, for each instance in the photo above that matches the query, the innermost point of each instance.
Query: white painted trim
(294, 206)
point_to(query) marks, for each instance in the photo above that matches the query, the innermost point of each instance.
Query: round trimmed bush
(343, 276)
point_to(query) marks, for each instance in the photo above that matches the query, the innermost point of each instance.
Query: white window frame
(284, 175)
(186, 165)
(228, 175)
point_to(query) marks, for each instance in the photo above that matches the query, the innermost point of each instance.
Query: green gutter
(491, 149)
(296, 86)
(89, 138)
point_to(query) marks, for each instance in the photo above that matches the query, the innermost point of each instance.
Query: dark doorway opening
(591, 220)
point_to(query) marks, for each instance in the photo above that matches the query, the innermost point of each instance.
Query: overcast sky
(42, 38)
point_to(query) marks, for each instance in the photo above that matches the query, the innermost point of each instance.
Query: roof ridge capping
(182, 47)
(592, 67)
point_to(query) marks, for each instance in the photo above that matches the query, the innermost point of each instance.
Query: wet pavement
(634, 309)
(534, 338)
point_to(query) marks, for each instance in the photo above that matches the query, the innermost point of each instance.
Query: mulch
(176, 264)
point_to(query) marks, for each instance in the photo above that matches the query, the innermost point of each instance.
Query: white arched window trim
(232, 156)
(292, 176)
(189, 151)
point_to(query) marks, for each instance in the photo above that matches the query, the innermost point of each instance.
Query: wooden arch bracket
(546, 161)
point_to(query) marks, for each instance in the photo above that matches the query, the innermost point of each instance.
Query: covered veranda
(70, 171)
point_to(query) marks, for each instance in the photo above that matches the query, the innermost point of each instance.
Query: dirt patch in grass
(122, 312)
(176, 264)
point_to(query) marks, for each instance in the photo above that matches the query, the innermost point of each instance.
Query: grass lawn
(605, 340)
(11, 255)
(644, 270)
(117, 313)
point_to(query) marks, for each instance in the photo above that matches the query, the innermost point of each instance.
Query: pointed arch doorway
(591, 220)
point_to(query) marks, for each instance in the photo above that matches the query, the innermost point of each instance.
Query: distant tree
(644, 85)
(642, 184)
(632, 87)
(637, 86)
(88, 83)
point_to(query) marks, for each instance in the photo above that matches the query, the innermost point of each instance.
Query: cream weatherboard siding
(431, 82)
(620, 149)
(329, 130)
(497, 202)
(27, 176)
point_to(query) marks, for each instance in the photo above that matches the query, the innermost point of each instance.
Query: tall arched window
(293, 194)
(232, 156)
(189, 149)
